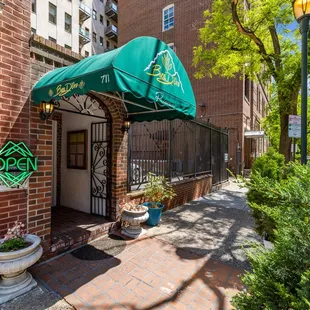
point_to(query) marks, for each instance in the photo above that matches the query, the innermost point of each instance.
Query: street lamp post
(301, 10)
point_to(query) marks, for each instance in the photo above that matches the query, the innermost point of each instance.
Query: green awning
(145, 72)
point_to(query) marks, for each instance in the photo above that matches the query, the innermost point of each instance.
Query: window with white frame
(172, 46)
(52, 13)
(168, 17)
(68, 22)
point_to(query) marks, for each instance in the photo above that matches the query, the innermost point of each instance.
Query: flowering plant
(14, 239)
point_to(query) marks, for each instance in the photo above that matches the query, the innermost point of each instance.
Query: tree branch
(253, 37)
(276, 45)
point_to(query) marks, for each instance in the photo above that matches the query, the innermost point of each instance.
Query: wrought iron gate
(101, 168)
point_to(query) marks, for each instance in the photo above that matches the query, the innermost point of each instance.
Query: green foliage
(12, 244)
(157, 190)
(268, 195)
(263, 46)
(280, 278)
(270, 165)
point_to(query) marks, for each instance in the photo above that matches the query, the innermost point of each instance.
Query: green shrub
(291, 189)
(270, 165)
(280, 278)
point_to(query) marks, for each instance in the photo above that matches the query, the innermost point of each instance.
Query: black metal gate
(101, 168)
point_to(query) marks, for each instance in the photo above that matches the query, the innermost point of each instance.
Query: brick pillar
(119, 151)
(14, 94)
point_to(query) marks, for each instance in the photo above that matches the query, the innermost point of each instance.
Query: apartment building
(237, 104)
(86, 27)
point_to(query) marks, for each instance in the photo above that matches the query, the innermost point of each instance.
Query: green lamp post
(301, 10)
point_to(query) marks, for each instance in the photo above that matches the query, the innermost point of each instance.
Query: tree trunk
(287, 106)
(285, 141)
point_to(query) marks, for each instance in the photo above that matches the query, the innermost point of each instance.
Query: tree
(254, 38)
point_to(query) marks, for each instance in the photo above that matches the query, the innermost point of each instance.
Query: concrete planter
(134, 218)
(15, 280)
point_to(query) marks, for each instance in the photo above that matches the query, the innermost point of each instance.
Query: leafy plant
(157, 190)
(14, 239)
(291, 190)
(280, 278)
(270, 165)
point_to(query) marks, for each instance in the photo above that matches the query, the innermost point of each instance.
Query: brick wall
(14, 97)
(186, 191)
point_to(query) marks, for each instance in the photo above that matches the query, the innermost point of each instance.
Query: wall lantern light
(46, 110)
(203, 109)
(126, 125)
(1, 7)
(301, 10)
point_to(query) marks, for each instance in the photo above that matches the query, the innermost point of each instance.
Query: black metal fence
(176, 149)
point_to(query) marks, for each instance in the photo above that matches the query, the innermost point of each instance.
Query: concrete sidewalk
(191, 261)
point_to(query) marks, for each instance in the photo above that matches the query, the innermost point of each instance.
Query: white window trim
(172, 46)
(163, 16)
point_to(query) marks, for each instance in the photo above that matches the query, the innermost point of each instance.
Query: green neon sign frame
(17, 164)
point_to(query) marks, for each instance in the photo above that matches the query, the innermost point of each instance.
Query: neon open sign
(16, 164)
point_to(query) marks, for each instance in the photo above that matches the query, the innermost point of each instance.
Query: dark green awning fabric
(146, 71)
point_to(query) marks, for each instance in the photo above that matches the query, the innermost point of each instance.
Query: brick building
(24, 60)
(237, 104)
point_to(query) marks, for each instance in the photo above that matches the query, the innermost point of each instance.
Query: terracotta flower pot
(15, 280)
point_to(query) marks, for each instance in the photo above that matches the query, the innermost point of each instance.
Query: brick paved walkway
(148, 274)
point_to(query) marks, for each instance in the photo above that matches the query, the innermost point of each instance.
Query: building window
(68, 22)
(108, 44)
(101, 41)
(87, 32)
(101, 19)
(52, 13)
(77, 149)
(33, 31)
(247, 87)
(34, 6)
(95, 37)
(94, 14)
(68, 47)
(172, 46)
(86, 53)
(52, 39)
(108, 23)
(168, 17)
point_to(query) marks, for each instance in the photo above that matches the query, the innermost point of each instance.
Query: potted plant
(18, 251)
(156, 191)
(132, 215)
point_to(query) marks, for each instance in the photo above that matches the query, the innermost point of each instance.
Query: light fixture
(301, 10)
(203, 109)
(46, 110)
(1, 7)
(126, 125)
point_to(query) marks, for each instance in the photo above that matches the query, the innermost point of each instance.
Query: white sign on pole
(294, 126)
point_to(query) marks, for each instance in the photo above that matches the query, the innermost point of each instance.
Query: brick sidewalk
(148, 274)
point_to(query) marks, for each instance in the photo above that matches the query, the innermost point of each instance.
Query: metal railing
(176, 149)
(111, 28)
(111, 5)
(86, 9)
(84, 33)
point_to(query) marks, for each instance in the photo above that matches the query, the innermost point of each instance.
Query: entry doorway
(81, 171)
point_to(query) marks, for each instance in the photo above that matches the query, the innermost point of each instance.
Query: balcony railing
(111, 10)
(84, 11)
(83, 36)
(111, 32)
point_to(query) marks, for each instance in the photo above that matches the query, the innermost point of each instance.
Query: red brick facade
(224, 101)
(14, 97)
